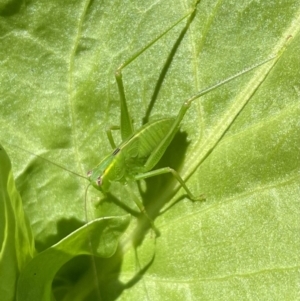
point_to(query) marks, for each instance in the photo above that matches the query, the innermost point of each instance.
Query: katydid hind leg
(163, 145)
(158, 152)
(169, 136)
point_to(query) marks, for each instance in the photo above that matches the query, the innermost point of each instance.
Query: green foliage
(17, 246)
(238, 145)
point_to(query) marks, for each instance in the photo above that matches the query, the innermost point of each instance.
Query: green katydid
(140, 150)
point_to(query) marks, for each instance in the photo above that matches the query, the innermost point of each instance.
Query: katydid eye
(99, 181)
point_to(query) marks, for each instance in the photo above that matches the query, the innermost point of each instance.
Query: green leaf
(238, 145)
(102, 234)
(17, 246)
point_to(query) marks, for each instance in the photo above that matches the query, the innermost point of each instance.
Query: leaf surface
(238, 145)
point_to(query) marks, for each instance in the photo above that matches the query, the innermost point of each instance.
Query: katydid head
(99, 176)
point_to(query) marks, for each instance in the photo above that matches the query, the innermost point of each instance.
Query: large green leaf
(238, 145)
